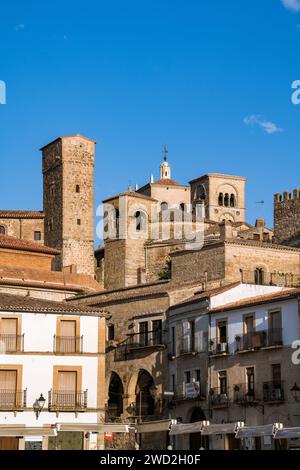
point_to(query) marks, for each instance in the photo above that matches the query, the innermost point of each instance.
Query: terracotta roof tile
(17, 303)
(21, 214)
(167, 182)
(260, 299)
(17, 244)
(206, 294)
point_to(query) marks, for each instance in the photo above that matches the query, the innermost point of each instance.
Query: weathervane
(165, 152)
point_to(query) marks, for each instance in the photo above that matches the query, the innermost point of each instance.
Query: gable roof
(24, 245)
(7, 214)
(17, 303)
(205, 295)
(259, 299)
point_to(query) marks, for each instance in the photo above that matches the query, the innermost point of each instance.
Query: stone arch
(141, 391)
(227, 216)
(197, 441)
(229, 188)
(3, 230)
(115, 393)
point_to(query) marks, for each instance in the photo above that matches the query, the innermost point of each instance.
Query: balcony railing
(11, 343)
(68, 344)
(259, 339)
(243, 394)
(189, 391)
(188, 346)
(270, 279)
(67, 400)
(13, 400)
(145, 340)
(273, 392)
(217, 346)
(219, 397)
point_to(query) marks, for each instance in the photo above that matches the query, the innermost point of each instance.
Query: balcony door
(8, 389)
(67, 340)
(248, 332)
(143, 333)
(66, 389)
(250, 384)
(9, 332)
(157, 332)
(275, 328)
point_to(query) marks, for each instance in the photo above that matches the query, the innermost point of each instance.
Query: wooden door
(9, 443)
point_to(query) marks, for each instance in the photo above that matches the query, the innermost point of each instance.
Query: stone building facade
(67, 221)
(68, 171)
(287, 218)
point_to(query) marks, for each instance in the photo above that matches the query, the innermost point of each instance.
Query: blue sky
(212, 79)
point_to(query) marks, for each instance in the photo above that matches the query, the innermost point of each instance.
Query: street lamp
(295, 391)
(39, 405)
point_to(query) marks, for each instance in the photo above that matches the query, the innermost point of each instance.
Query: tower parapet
(287, 218)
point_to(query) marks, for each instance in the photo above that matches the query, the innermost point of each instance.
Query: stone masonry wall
(287, 218)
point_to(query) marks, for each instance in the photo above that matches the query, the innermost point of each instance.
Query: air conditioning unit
(223, 347)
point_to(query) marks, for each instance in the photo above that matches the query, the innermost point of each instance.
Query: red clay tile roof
(23, 245)
(18, 303)
(260, 299)
(167, 182)
(132, 194)
(21, 214)
(206, 294)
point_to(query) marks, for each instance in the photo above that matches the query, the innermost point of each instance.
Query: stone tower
(223, 196)
(287, 218)
(68, 179)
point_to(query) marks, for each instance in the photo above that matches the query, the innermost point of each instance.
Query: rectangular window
(11, 395)
(68, 338)
(66, 393)
(187, 377)
(9, 334)
(173, 339)
(78, 221)
(223, 382)
(275, 328)
(222, 336)
(250, 382)
(111, 332)
(143, 333)
(276, 375)
(173, 383)
(192, 335)
(248, 332)
(197, 375)
(37, 235)
(157, 332)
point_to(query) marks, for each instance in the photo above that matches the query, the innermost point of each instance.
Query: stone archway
(115, 397)
(197, 441)
(144, 393)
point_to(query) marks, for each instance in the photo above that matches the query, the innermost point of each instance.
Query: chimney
(260, 224)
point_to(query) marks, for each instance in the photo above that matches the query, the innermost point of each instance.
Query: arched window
(259, 276)
(145, 393)
(226, 200)
(77, 189)
(2, 230)
(164, 206)
(232, 200)
(140, 221)
(221, 199)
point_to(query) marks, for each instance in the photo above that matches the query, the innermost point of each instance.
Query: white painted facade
(38, 360)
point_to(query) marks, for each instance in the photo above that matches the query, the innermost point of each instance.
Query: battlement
(287, 196)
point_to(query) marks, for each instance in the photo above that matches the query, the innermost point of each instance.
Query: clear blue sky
(137, 74)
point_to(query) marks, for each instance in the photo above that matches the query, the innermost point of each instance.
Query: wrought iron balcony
(11, 343)
(259, 339)
(273, 392)
(189, 345)
(243, 394)
(189, 391)
(13, 400)
(149, 339)
(67, 400)
(219, 397)
(68, 344)
(217, 346)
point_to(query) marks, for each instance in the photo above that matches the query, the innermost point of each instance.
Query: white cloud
(293, 5)
(18, 27)
(257, 120)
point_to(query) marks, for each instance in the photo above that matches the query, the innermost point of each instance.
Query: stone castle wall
(287, 218)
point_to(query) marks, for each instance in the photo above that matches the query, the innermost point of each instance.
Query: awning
(213, 429)
(154, 426)
(94, 427)
(287, 433)
(15, 431)
(255, 431)
(190, 428)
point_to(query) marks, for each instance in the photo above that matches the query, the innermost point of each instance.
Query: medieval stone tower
(68, 179)
(287, 218)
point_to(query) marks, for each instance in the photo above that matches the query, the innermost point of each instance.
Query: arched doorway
(197, 441)
(145, 395)
(115, 397)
